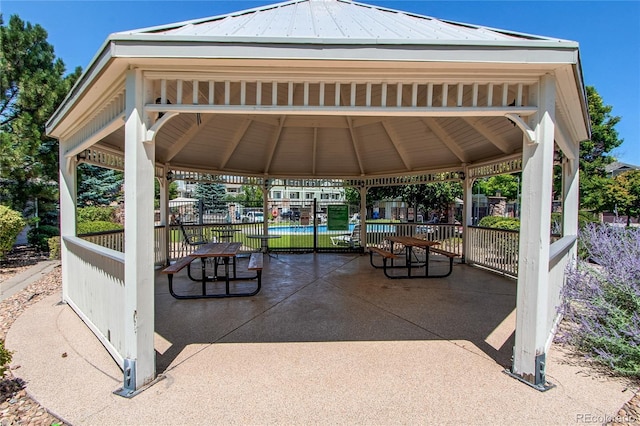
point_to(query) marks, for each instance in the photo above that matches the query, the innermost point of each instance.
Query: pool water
(308, 229)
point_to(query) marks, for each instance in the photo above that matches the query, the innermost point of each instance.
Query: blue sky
(608, 33)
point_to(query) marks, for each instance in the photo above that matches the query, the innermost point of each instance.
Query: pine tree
(98, 186)
(31, 87)
(212, 197)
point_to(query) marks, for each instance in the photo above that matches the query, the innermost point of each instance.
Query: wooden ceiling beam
(446, 139)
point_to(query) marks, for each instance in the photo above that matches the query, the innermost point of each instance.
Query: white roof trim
(342, 41)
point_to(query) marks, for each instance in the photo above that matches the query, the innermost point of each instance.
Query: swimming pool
(308, 229)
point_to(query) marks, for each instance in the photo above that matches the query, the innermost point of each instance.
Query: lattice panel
(512, 165)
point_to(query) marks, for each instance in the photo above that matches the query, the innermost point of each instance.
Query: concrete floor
(329, 298)
(329, 339)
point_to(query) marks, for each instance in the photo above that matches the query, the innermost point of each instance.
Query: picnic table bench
(225, 251)
(409, 264)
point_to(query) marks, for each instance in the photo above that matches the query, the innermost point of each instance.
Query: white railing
(95, 290)
(496, 249)
(113, 240)
(160, 244)
(560, 255)
(448, 235)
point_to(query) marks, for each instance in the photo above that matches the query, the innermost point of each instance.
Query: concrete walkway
(328, 340)
(30, 275)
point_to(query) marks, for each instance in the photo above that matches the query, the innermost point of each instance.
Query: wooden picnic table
(409, 243)
(224, 251)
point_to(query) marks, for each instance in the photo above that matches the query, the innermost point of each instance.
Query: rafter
(355, 143)
(315, 149)
(242, 130)
(446, 139)
(394, 138)
(274, 144)
(500, 142)
(187, 136)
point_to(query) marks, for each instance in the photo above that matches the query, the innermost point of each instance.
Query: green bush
(585, 218)
(5, 358)
(96, 214)
(11, 224)
(489, 221)
(498, 222)
(54, 247)
(97, 226)
(39, 237)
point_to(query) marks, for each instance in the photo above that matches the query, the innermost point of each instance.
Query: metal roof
(328, 21)
(324, 88)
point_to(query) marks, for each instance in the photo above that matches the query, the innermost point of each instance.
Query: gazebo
(318, 89)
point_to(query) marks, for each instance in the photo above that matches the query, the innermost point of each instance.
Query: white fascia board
(467, 54)
(577, 69)
(339, 41)
(95, 68)
(572, 99)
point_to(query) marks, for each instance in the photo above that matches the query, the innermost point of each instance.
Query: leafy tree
(507, 185)
(427, 197)
(249, 196)
(98, 186)
(594, 153)
(31, 87)
(352, 196)
(622, 194)
(173, 192)
(212, 197)
(252, 195)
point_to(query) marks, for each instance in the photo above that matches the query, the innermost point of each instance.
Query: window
(294, 195)
(308, 196)
(277, 195)
(324, 196)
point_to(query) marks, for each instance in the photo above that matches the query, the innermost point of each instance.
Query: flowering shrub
(602, 298)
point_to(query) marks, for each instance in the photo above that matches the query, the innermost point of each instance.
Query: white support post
(363, 216)
(265, 208)
(570, 197)
(139, 354)
(533, 260)
(165, 214)
(68, 198)
(467, 215)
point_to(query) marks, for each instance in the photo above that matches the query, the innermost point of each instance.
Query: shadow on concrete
(340, 297)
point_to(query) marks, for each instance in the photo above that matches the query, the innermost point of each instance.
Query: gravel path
(16, 407)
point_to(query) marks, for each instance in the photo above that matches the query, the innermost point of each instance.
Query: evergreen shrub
(54, 247)
(39, 237)
(11, 224)
(96, 213)
(97, 226)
